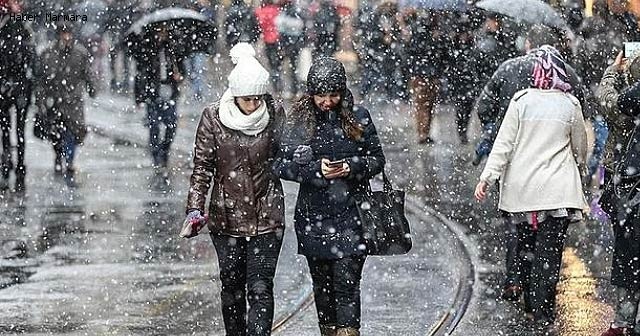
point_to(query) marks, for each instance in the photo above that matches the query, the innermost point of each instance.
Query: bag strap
(388, 187)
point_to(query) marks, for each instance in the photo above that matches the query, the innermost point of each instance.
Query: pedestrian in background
(619, 94)
(291, 28)
(464, 77)
(267, 14)
(240, 24)
(64, 75)
(236, 142)
(16, 72)
(383, 47)
(159, 72)
(332, 149)
(326, 26)
(196, 63)
(539, 157)
(427, 53)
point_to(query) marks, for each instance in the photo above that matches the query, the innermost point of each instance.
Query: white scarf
(233, 118)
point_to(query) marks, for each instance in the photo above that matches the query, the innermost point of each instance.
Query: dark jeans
(336, 289)
(464, 105)
(247, 269)
(161, 113)
(533, 262)
(275, 64)
(20, 101)
(65, 148)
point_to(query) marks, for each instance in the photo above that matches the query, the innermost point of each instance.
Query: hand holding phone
(335, 164)
(334, 169)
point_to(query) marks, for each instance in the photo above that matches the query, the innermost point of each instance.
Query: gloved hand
(192, 224)
(303, 155)
(486, 143)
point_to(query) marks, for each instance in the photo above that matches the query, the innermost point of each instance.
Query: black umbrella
(530, 11)
(188, 31)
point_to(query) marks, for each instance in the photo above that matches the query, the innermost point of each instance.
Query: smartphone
(335, 164)
(631, 49)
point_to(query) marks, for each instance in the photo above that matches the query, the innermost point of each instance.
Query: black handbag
(384, 224)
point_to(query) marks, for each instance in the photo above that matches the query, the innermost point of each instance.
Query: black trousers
(247, 269)
(533, 262)
(20, 99)
(274, 58)
(336, 289)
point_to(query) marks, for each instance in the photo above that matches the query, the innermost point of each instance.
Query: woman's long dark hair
(303, 115)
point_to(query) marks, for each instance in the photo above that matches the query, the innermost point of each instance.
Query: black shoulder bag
(385, 226)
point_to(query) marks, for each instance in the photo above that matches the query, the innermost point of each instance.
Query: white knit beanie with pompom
(249, 77)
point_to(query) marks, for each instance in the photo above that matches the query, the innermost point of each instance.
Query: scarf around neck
(233, 118)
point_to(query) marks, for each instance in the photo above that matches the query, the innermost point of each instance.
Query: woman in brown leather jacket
(236, 142)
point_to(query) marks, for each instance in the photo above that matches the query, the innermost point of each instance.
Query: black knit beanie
(326, 75)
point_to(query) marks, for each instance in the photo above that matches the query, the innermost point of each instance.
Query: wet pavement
(105, 258)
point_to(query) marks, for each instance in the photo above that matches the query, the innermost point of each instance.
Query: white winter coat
(539, 153)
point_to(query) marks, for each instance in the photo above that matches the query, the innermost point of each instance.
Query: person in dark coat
(383, 48)
(291, 28)
(159, 72)
(64, 75)
(240, 24)
(464, 77)
(119, 17)
(513, 75)
(236, 142)
(266, 15)
(619, 92)
(427, 57)
(16, 73)
(332, 149)
(326, 25)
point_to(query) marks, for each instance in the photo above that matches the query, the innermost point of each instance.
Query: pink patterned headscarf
(550, 71)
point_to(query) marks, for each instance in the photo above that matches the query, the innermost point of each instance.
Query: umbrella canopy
(530, 11)
(96, 12)
(435, 4)
(189, 30)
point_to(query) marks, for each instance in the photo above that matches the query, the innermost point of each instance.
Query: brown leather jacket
(247, 198)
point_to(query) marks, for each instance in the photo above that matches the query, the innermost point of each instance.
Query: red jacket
(267, 19)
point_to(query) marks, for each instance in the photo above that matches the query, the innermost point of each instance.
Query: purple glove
(192, 224)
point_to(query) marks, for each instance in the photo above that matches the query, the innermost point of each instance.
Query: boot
(57, 167)
(348, 332)
(4, 184)
(70, 177)
(326, 330)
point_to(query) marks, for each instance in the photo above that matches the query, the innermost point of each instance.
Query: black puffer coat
(326, 218)
(514, 75)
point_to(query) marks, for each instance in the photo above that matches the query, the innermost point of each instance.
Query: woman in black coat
(332, 149)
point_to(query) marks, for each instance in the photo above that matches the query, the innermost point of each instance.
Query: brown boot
(348, 332)
(326, 330)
